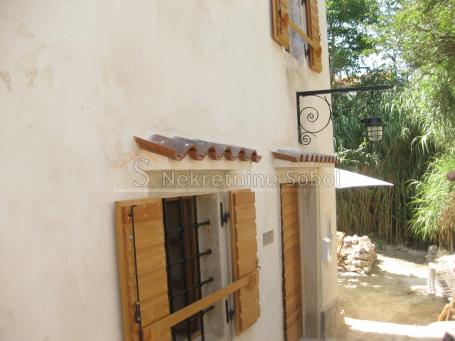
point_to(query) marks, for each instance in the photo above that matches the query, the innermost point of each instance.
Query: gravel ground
(392, 304)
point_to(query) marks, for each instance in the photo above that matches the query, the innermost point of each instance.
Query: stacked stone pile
(355, 254)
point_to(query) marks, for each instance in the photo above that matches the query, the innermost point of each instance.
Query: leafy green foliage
(434, 194)
(380, 212)
(427, 39)
(412, 42)
(426, 31)
(349, 36)
(426, 36)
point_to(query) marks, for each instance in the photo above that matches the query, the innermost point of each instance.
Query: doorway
(300, 238)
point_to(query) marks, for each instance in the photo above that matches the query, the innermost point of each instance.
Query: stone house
(155, 183)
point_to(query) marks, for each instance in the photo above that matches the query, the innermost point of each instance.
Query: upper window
(302, 19)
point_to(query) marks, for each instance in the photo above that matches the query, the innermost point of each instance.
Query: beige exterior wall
(77, 81)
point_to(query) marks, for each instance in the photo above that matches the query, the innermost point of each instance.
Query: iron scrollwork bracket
(309, 116)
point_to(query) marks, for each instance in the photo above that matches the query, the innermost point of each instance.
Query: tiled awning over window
(451, 175)
(177, 148)
(300, 156)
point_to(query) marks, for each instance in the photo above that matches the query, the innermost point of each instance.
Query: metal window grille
(183, 264)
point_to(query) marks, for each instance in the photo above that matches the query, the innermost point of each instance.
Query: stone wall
(355, 254)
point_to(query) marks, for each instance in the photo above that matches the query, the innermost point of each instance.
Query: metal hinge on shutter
(137, 311)
(230, 313)
(224, 215)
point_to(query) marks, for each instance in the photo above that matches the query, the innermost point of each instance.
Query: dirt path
(392, 304)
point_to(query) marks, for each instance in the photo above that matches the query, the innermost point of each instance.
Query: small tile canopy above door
(294, 155)
(177, 148)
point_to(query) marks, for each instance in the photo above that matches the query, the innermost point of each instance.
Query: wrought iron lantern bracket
(311, 115)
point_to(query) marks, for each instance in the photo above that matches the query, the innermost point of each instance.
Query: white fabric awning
(346, 179)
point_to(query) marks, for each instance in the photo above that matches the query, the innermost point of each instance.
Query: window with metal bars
(183, 266)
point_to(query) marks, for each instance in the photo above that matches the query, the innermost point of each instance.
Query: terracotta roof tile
(300, 156)
(177, 148)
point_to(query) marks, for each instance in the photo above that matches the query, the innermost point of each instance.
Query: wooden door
(291, 260)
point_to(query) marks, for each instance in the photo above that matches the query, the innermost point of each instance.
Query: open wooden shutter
(244, 254)
(312, 14)
(280, 22)
(151, 264)
(292, 275)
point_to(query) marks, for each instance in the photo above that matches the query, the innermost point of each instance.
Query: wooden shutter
(312, 14)
(292, 276)
(151, 264)
(244, 254)
(280, 22)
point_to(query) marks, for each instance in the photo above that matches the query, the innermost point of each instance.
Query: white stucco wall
(77, 81)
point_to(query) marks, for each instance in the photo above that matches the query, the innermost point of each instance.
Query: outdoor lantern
(374, 128)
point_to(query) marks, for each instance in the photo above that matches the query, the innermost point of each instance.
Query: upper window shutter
(312, 14)
(280, 22)
(150, 262)
(244, 257)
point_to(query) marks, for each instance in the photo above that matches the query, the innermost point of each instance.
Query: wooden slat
(287, 199)
(292, 285)
(246, 248)
(294, 317)
(292, 289)
(245, 265)
(291, 250)
(312, 12)
(250, 312)
(151, 264)
(292, 259)
(286, 188)
(292, 230)
(290, 243)
(244, 253)
(152, 284)
(311, 42)
(151, 309)
(291, 218)
(295, 332)
(293, 306)
(243, 230)
(152, 211)
(244, 213)
(244, 198)
(151, 259)
(148, 234)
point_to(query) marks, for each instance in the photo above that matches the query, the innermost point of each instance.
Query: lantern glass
(374, 128)
(374, 133)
